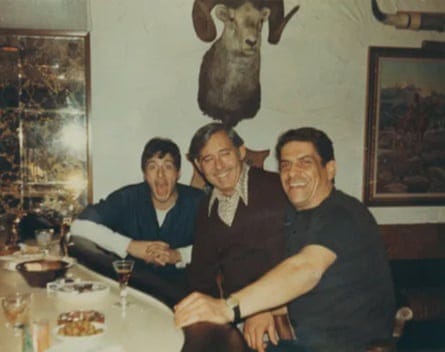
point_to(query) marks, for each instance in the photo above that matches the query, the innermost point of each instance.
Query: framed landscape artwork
(405, 136)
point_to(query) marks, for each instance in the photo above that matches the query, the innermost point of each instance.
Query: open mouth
(162, 189)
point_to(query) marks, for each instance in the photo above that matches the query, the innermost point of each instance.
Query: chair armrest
(403, 315)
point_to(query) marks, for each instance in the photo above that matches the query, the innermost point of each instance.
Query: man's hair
(319, 139)
(160, 147)
(202, 136)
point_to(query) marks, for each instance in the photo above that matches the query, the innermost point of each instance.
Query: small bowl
(38, 273)
(78, 291)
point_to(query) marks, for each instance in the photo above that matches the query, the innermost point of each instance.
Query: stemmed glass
(16, 308)
(44, 238)
(123, 269)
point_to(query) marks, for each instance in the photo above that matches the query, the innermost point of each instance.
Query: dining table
(146, 322)
(146, 325)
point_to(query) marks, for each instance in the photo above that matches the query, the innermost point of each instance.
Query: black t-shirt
(353, 303)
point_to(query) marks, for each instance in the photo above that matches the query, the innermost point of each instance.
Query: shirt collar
(241, 189)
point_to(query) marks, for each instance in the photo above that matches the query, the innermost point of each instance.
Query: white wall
(145, 60)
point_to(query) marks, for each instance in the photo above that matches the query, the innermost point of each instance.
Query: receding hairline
(214, 134)
(203, 135)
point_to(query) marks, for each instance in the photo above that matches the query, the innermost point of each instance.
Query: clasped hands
(155, 252)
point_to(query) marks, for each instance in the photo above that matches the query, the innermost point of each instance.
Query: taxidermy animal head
(229, 87)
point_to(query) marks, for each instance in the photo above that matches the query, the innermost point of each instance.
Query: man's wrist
(178, 256)
(233, 303)
(229, 313)
(130, 247)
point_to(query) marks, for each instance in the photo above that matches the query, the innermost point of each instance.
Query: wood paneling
(414, 241)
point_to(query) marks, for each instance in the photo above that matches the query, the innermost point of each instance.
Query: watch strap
(237, 313)
(233, 303)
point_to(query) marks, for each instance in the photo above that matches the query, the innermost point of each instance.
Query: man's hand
(198, 307)
(256, 326)
(149, 251)
(166, 256)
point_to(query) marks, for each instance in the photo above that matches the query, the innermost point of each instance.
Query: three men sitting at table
(152, 221)
(335, 278)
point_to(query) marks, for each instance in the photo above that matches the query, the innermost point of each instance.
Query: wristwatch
(233, 303)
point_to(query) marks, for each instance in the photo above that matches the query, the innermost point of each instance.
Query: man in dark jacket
(239, 230)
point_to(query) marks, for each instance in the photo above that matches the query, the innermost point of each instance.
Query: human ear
(331, 168)
(198, 166)
(242, 152)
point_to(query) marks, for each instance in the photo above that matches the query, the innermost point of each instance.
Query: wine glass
(16, 309)
(123, 269)
(44, 238)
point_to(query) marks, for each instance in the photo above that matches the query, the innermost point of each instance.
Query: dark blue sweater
(130, 212)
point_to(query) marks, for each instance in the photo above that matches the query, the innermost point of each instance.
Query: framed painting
(405, 129)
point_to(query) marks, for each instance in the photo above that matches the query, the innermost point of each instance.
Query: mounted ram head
(229, 86)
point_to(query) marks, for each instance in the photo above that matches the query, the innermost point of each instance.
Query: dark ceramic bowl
(38, 273)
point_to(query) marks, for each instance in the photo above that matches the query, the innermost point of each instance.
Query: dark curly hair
(160, 147)
(319, 139)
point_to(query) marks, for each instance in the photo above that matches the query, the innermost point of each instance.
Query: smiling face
(221, 162)
(162, 176)
(303, 177)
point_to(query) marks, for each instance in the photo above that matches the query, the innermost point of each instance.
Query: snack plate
(81, 340)
(78, 290)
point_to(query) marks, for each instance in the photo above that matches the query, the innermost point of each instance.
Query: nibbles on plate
(80, 323)
(80, 328)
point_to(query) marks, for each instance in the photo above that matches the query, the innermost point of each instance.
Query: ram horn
(410, 20)
(202, 20)
(277, 20)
